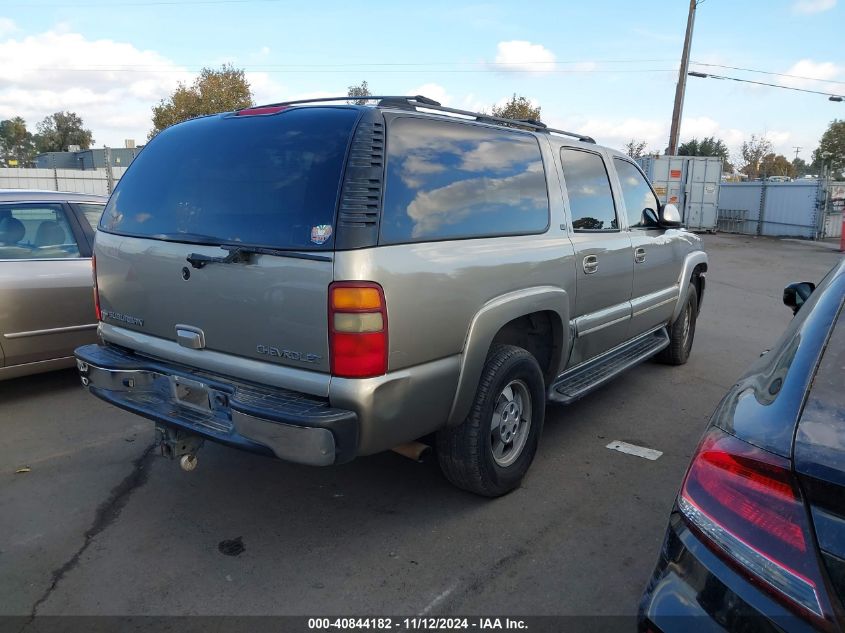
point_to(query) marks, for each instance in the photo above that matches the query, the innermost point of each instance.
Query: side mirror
(796, 294)
(650, 218)
(670, 216)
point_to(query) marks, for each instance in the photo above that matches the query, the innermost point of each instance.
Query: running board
(579, 381)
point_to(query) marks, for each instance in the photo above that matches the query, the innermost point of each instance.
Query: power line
(762, 83)
(768, 72)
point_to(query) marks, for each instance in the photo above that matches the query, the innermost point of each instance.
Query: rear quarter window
(448, 180)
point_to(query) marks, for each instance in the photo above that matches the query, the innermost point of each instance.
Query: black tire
(681, 337)
(466, 451)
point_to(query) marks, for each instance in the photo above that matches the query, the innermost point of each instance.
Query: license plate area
(191, 393)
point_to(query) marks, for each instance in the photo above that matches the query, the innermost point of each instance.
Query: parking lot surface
(101, 524)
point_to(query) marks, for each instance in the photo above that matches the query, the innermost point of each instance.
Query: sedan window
(91, 211)
(35, 231)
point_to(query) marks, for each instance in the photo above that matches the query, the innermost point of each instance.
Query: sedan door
(46, 302)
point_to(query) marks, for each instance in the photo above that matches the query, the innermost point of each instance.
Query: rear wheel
(490, 452)
(682, 332)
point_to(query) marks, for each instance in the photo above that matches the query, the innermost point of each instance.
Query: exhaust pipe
(416, 451)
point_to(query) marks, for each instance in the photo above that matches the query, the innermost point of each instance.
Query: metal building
(689, 182)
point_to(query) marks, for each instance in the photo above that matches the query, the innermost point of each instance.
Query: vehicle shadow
(48, 384)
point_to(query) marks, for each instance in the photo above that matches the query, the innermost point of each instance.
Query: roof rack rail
(415, 101)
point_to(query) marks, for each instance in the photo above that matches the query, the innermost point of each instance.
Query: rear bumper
(693, 590)
(287, 424)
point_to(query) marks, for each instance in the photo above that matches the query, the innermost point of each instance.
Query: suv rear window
(450, 180)
(259, 180)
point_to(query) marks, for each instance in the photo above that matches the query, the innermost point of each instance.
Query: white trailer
(689, 182)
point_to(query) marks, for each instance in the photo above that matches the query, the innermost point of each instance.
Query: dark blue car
(756, 540)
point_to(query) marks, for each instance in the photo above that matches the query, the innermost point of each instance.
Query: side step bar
(579, 381)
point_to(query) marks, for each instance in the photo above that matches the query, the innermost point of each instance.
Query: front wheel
(682, 332)
(490, 452)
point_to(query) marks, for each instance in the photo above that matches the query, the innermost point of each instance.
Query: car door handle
(639, 255)
(590, 264)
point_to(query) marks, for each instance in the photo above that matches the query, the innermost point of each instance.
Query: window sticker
(321, 233)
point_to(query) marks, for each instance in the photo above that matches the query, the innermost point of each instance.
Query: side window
(91, 211)
(637, 194)
(588, 186)
(449, 180)
(35, 231)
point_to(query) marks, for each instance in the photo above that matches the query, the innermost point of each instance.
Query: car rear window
(267, 181)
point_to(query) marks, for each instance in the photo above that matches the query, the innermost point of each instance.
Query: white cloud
(106, 82)
(813, 6)
(814, 70)
(265, 89)
(520, 55)
(7, 26)
(432, 91)
(701, 127)
(112, 85)
(616, 133)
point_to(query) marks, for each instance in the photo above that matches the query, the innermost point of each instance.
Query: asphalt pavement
(103, 525)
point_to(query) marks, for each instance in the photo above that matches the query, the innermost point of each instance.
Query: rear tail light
(357, 329)
(747, 505)
(97, 310)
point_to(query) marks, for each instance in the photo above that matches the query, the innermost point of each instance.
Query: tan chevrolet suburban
(319, 280)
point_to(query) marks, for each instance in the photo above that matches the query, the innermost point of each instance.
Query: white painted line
(440, 598)
(633, 449)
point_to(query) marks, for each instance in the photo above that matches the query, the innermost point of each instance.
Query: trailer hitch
(177, 444)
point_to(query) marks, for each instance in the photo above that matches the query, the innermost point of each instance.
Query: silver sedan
(46, 296)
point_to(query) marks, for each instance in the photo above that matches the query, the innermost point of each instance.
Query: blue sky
(604, 68)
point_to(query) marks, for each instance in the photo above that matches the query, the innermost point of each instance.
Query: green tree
(518, 107)
(213, 91)
(752, 152)
(361, 90)
(635, 148)
(801, 167)
(708, 146)
(16, 143)
(59, 131)
(776, 165)
(832, 149)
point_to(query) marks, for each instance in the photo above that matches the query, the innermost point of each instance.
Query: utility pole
(681, 87)
(797, 149)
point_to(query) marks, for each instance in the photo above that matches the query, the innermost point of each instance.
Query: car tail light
(746, 503)
(357, 329)
(97, 310)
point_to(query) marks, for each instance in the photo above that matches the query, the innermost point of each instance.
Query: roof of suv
(41, 195)
(418, 101)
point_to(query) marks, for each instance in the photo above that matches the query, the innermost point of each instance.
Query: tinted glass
(91, 211)
(260, 180)
(636, 193)
(35, 231)
(451, 180)
(590, 198)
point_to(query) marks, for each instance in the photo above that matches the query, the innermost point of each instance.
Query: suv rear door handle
(639, 255)
(590, 264)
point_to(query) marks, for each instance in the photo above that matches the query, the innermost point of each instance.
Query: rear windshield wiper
(187, 238)
(239, 254)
